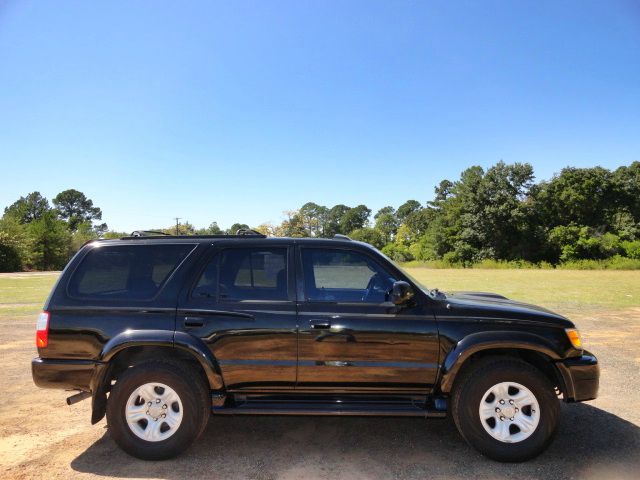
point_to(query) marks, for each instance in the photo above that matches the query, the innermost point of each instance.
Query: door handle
(320, 324)
(193, 322)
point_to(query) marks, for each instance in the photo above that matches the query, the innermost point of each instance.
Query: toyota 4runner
(162, 331)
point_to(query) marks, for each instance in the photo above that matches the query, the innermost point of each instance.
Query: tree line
(35, 235)
(497, 214)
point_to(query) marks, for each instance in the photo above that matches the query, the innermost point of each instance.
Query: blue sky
(237, 111)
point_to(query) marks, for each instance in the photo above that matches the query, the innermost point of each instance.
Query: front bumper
(581, 377)
(63, 374)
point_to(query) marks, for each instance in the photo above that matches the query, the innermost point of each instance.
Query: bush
(615, 263)
(368, 235)
(632, 249)
(397, 252)
(452, 259)
(15, 245)
(484, 264)
(10, 260)
(51, 242)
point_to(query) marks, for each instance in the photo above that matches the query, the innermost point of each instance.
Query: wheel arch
(529, 347)
(134, 347)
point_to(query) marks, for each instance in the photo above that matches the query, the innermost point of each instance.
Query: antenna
(177, 225)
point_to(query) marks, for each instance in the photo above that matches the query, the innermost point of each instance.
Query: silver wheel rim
(509, 412)
(154, 412)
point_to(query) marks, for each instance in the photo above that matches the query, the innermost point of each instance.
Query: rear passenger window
(245, 274)
(126, 272)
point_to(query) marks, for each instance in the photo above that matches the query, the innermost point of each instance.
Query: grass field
(551, 288)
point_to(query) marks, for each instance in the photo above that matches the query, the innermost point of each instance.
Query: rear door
(241, 303)
(351, 337)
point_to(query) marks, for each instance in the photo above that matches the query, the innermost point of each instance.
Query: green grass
(24, 294)
(26, 288)
(552, 288)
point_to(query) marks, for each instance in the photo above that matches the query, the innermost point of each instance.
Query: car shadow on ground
(591, 443)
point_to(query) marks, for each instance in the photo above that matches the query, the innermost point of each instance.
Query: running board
(341, 406)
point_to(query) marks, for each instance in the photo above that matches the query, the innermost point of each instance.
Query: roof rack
(339, 236)
(147, 233)
(248, 231)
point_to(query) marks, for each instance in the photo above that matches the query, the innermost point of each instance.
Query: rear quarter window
(126, 272)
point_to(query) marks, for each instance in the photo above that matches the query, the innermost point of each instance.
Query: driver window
(343, 276)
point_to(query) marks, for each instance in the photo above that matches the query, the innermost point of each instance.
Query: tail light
(42, 330)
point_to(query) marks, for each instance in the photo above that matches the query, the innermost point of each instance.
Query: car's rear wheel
(505, 408)
(157, 409)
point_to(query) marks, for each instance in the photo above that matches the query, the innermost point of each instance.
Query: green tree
(354, 218)
(51, 242)
(368, 235)
(15, 246)
(387, 225)
(29, 208)
(294, 226)
(212, 229)
(314, 219)
(580, 196)
(334, 217)
(83, 233)
(235, 227)
(75, 208)
(388, 210)
(406, 209)
(626, 188)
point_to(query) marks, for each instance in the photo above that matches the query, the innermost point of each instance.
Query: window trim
(303, 286)
(96, 246)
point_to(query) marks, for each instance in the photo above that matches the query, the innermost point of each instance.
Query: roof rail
(248, 231)
(190, 237)
(146, 233)
(338, 236)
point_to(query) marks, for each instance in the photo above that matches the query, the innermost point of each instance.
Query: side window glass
(344, 276)
(126, 272)
(207, 286)
(252, 274)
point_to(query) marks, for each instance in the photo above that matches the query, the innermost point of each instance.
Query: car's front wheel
(157, 409)
(505, 408)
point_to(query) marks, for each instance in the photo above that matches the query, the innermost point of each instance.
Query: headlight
(574, 337)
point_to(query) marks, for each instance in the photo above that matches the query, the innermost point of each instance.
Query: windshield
(418, 283)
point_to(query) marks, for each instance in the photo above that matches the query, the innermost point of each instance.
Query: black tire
(469, 390)
(196, 408)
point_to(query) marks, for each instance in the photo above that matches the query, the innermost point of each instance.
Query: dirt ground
(42, 437)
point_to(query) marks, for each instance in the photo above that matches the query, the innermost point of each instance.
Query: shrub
(397, 252)
(614, 263)
(368, 235)
(632, 249)
(10, 260)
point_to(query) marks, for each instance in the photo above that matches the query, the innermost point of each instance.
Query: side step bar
(264, 405)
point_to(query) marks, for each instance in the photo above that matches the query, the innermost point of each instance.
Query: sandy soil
(42, 437)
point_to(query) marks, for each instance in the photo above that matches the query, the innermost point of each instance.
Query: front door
(242, 305)
(351, 338)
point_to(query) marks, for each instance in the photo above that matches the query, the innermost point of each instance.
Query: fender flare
(494, 340)
(167, 338)
(182, 341)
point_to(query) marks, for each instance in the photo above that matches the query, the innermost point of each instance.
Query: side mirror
(401, 293)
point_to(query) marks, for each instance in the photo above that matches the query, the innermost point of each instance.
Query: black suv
(161, 331)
